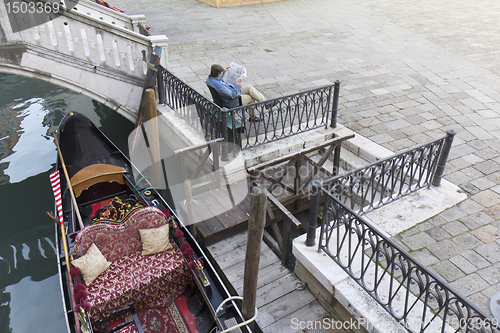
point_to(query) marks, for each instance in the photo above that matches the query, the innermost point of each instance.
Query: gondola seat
(147, 281)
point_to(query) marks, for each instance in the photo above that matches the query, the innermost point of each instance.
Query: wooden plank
(267, 275)
(245, 206)
(312, 311)
(237, 256)
(213, 208)
(267, 257)
(228, 245)
(210, 230)
(276, 289)
(283, 306)
(304, 151)
(236, 212)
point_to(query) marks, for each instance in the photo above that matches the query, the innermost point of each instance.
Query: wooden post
(256, 225)
(153, 137)
(297, 181)
(287, 224)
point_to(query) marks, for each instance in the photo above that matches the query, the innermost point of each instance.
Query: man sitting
(229, 93)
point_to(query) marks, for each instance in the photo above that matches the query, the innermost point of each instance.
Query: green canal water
(30, 111)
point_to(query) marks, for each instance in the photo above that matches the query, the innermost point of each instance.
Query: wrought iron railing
(407, 290)
(386, 180)
(200, 112)
(284, 116)
(280, 117)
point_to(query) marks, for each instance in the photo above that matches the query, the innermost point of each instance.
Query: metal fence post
(161, 86)
(335, 107)
(313, 213)
(224, 153)
(438, 174)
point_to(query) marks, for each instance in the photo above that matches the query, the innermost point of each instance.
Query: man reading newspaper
(230, 90)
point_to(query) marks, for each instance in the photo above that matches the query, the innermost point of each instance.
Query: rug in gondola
(172, 319)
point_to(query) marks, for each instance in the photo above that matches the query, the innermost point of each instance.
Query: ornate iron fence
(284, 116)
(196, 109)
(407, 290)
(386, 180)
(279, 117)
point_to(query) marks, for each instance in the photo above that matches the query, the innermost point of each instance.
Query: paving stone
(437, 221)
(465, 265)
(424, 257)
(474, 221)
(438, 233)
(493, 211)
(453, 213)
(448, 271)
(455, 227)
(489, 252)
(469, 284)
(487, 167)
(482, 301)
(445, 249)
(467, 241)
(476, 259)
(418, 241)
(483, 183)
(492, 290)
(487, 198)
(491, 274)
(469, 206)
(469, 188)
(486, 234)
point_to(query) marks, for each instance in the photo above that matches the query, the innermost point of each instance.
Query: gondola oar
(77, 211)
(56, 188)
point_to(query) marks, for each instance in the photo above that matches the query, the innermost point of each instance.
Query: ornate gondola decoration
(117, 211)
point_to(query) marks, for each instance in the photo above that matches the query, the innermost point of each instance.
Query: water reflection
(31, 111)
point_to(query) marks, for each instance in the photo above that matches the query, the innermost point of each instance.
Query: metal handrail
(280, 117)
(381, 182)
(285, 116)
(418, 299)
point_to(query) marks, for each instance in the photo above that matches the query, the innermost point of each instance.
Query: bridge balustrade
(90, 49)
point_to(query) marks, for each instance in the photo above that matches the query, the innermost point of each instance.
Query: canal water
(30, 111)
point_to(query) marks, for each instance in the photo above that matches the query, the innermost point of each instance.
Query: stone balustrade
(90, 49)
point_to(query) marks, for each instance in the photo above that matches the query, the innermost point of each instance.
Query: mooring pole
(256, 223)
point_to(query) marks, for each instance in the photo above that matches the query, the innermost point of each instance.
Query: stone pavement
(410, 70)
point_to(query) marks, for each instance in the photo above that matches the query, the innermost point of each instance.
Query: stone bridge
(89, 49)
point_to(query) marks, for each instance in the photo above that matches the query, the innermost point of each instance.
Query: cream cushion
(91, 264)
(155, 240)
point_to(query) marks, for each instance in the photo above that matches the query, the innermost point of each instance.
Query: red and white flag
(56, 188)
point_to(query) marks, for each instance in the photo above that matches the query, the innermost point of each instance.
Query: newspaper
(235, 72)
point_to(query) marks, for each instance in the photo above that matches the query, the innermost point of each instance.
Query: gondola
(104, 200)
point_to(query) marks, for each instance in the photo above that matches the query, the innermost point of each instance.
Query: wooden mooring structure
(221, 224)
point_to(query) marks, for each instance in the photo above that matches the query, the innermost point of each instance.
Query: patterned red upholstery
(119, 240)
(147, 281)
